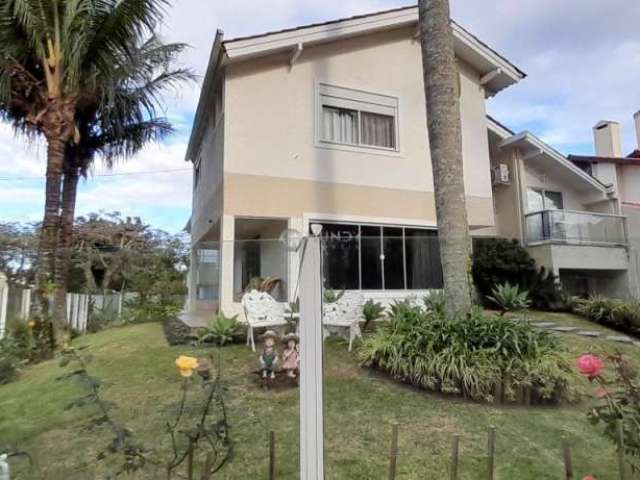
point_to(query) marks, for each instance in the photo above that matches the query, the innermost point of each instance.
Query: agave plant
(509, 298)
(220, 330)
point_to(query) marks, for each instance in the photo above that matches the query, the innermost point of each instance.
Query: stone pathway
(585, 333)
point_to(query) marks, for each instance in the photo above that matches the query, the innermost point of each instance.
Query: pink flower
(589, 477)
(590, 365)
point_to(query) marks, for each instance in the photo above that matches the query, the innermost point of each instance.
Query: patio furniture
(261, 310)
(343, 316)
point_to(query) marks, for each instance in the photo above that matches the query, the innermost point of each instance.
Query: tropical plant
(436, 302)
(623, 315)
(440, 76)
(509, 298)
(65, 67)
(472, 355)
(371, 311)
(497, 261)
(220, 330)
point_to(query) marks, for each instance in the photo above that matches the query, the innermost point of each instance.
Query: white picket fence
(15, 302)
(78, 311)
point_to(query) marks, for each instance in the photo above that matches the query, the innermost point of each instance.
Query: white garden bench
(343, 316)
(261, 310)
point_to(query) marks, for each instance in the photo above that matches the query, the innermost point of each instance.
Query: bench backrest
(260, 307)
(346, 310)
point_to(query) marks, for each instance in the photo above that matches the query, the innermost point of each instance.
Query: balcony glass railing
(575, 228)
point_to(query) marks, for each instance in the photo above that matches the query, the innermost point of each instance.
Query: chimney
(636, 118)
(607, 138)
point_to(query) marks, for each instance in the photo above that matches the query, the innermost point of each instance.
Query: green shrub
(436, 302)
(371, 311)
(150, 312)
(9, 360)
(509, 298)
(623, 315)
(221, 330)
(472, 355)
(497, 261)
(176, 331)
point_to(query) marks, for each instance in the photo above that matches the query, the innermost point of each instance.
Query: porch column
(295, 223)
(227, 251)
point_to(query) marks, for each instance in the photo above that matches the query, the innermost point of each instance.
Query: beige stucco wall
(254, 195)
(207, 196)
(270, 120)
(580, 257)
(629, 183)
(506, 198)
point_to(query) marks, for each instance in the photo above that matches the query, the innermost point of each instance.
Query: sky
(582, 58)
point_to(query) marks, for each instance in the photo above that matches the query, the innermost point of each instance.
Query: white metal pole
(4, 298)
(311, 363)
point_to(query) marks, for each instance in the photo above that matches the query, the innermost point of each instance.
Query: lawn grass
(140, 377)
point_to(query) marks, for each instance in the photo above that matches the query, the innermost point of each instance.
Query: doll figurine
(291, 355)
(269, 355)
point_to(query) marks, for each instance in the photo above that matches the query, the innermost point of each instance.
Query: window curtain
(339, 125)
(378, 130)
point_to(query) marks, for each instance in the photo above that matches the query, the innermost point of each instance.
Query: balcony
(568, 227)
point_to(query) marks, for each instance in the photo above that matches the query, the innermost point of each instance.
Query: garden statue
(291, 355)
(269, 356)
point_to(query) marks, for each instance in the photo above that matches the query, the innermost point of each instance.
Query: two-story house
(326, 124)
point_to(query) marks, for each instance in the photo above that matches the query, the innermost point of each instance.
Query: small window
(355, 118)
(196, 172)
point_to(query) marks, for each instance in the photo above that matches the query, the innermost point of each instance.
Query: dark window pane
(424, 270)
(378, 130)
(371, 263)
(393, 259)
(340, 256)
(553, 201)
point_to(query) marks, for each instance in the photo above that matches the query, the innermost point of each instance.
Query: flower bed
(476, 356)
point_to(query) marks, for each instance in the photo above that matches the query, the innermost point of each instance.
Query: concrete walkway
(557, 327)
(195, 319)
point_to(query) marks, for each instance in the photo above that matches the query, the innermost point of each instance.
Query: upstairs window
(355, 118)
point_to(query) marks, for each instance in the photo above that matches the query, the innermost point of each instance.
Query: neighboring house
(326, 124)
(570, 222)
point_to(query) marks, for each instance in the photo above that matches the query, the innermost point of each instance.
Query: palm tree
(61, 60)
(118, 129)
(445, 142)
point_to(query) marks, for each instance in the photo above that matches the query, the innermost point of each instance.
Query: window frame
(543, 193)
(381, 227)
(339, 97)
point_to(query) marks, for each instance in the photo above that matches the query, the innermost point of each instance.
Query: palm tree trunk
(445, 141)
(50, 223)
(63, 257)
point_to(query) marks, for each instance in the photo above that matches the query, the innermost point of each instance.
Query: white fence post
(25, 304)
(311, 359)
(4, 300)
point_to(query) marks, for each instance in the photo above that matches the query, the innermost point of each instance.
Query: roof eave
(468, 46)
(533, 141)
(215, 61)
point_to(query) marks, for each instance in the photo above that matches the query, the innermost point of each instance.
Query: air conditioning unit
(500, 174)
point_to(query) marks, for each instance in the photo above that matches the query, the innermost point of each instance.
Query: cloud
(582, 57)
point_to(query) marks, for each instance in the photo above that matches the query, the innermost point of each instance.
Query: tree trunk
(445, 141)
(50, 223)
(65, 238)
